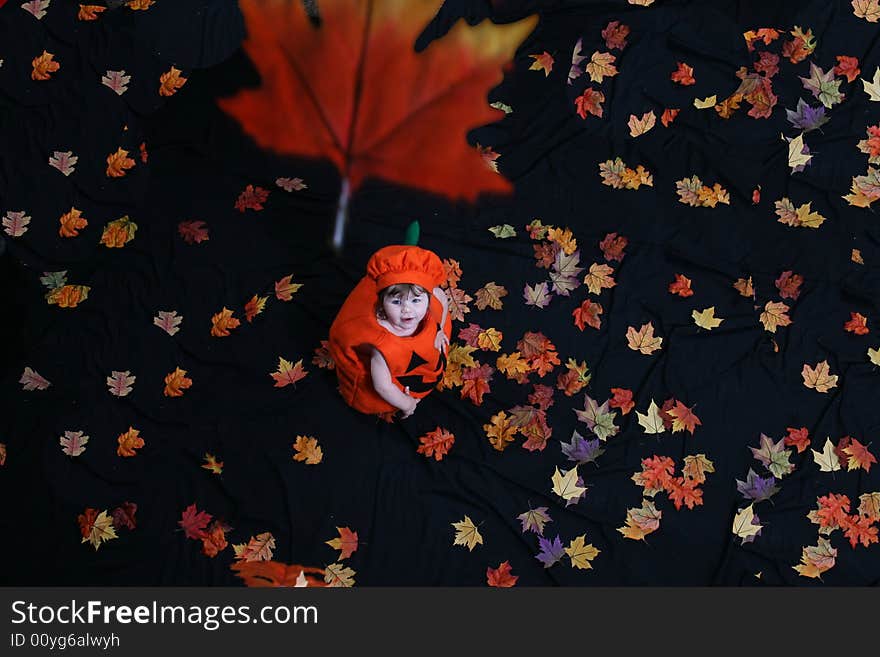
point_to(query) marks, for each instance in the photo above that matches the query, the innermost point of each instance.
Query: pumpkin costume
(413, 361)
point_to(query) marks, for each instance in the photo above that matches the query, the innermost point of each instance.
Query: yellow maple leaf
(820, 377)
(651, 421)
(795, 157)
(490, 340)
(696, 466)
(467, 533)
(171, 81)
(118, 233)
(867, 9)
(101, 531)
(641, 521)
(500, 431)
(566, 486)
(816, 559)
(513, 365)
(869, 505)
(211, 463)
(339, 575)
(564, 238)
(808, 219)
(601, 65)
(706, 318)
(742, 523)
(874, 355)
(599, 277)
(490, 296)
(707, 102)
(639, 126)
(774, 316)
(643, 340)
(581, 555)
(307, 450)
(827, 459)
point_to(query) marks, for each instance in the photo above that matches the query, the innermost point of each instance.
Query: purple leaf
(581, 450)
(756, 487)
(805, 117)
(551, 551)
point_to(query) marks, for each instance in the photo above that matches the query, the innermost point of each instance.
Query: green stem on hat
(412, 234)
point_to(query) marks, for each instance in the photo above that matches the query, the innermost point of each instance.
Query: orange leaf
(589, 102)
(500, 431)
(622, 399)
(129, 442)
(368, 109)
(587, 315)
(859, 455)
(214, 539)
(685, 491)
(857, 324)
(222, 322)
(683, 75)
(543, 62)
(71, 222)
(307, 450)
(284, 289)
(502, 576)
(43, 66)
(89, 12)
(277, 574)
(347, 542)
(118, 163)
(170, 82)
(452, 269)
(176, 383)
(848, 67)
(681, 286)
(288, 373)
(436, 443)
(490, 296)
(67, 296)
(118, 233)
(668, 116)
(254, 307)
(799, 438)
(211, 463)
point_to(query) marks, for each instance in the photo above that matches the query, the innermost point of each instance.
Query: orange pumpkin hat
(401, 263)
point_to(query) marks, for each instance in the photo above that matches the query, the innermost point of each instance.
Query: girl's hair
(397, 290)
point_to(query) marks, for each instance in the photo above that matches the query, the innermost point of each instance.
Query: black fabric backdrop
(371, 479)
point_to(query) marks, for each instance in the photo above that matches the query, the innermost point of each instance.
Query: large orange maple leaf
(354, 91)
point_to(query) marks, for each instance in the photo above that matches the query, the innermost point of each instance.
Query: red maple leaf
(123, 516)
(476, 382)
(354, 90)
(252, 198)
(277, 574)
(789, 285)
(587, 315)
(681, 286)
(622, 399)
(542, 397)
(469, 334)
(657, 471)
(536, 432)
(685, 491)
(859, 529)
(612, 246)
(192, 232)
(615, 35)
(589, 102)
(848, 66)
(501, 576)
(832, 510)
(194, 521)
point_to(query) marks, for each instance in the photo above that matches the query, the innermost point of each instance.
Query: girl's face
(405, 311)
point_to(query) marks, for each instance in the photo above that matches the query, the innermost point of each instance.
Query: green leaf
(503, 231)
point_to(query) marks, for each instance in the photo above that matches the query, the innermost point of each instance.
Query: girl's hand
(441, 342)
(406, 412)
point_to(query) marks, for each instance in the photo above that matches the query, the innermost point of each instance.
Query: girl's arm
(383, 385)
(444, 301)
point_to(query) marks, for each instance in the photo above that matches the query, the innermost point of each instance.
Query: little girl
(389, 339)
